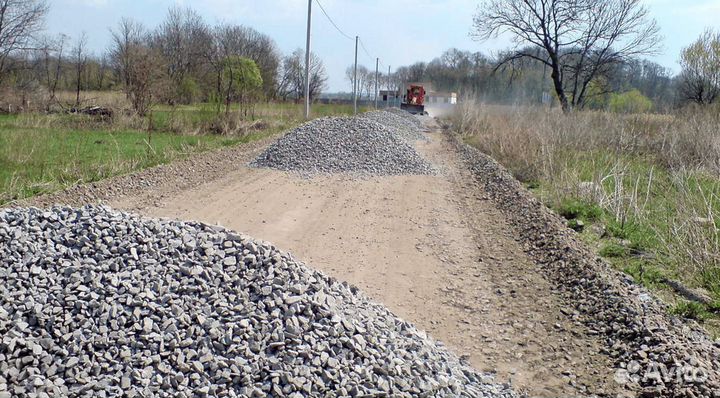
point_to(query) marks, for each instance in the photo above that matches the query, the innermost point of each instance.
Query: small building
(389, 95)
(440, 97)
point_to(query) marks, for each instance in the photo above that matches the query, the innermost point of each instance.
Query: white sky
(400, 32)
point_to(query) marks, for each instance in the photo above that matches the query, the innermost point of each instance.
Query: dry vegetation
(644, 189)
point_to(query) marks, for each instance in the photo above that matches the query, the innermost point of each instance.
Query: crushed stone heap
(99, 303)
(343, 145)
(404, 124)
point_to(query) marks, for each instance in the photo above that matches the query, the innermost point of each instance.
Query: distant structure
(389, 98)
(438, 102)
(440, 97)
(441, 103)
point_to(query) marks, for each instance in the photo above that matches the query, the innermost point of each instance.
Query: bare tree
(80, 59)
(52, 51)
(318, 75)
(102, 71)
(20, 20)
(362, 75)
(292, 76)
(138, 65)
(185, 42)
(129, 35)
(145, 77)
(578, 40)
(287, 84)
(700, 77)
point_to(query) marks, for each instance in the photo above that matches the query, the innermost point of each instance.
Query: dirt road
(431, 248)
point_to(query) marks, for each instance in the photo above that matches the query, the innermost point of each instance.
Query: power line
(333, 22)
(365, 50)
(362, 45)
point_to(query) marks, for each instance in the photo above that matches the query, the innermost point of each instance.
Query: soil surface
(433, 249)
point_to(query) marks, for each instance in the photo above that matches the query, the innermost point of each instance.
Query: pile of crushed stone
(403, 125)
(99, 303)
(343, 145)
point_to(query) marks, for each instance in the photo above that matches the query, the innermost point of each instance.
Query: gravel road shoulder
(654, 354)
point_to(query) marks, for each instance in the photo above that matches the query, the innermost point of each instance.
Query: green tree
(700, 77)
(598, 93)
(241, 81)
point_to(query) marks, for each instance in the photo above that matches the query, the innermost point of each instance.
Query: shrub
(188, 91)
(632, 101)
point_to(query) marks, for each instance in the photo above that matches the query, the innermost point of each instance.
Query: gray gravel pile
(403, 125)
(657, 355)
(343, 145)
(409, 117)
(97, 303)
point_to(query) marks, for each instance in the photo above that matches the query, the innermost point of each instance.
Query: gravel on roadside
(657, 355)
(100, 303)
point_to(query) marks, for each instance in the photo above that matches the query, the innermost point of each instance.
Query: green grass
(612, 249)
(45, 153)
(38, 160)
(572, 208)
(643, 243)
(691, 310)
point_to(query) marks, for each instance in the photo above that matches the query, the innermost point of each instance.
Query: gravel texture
(414, 120)
(343, 145)
(656, 354)
(403, 124)
(98, 303)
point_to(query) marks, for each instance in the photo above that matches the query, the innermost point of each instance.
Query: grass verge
(44, 153)
(643, 190)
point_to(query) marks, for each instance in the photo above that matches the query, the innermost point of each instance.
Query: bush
(689, 309)
(632, 101)
(188, 91)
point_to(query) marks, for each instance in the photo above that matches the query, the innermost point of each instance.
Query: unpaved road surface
(433, 249)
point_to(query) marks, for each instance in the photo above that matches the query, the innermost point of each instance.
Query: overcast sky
(399, 32)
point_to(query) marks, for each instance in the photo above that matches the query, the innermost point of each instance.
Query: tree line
(578, 54)
(478, 76)
(181, 61)
(581, 54)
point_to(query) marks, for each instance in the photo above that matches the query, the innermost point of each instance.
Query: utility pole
(388, 87)
(307, 62)
(377, 70)
(355, 87)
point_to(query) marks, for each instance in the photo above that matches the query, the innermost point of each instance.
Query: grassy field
(643, 190)
(43, 153)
